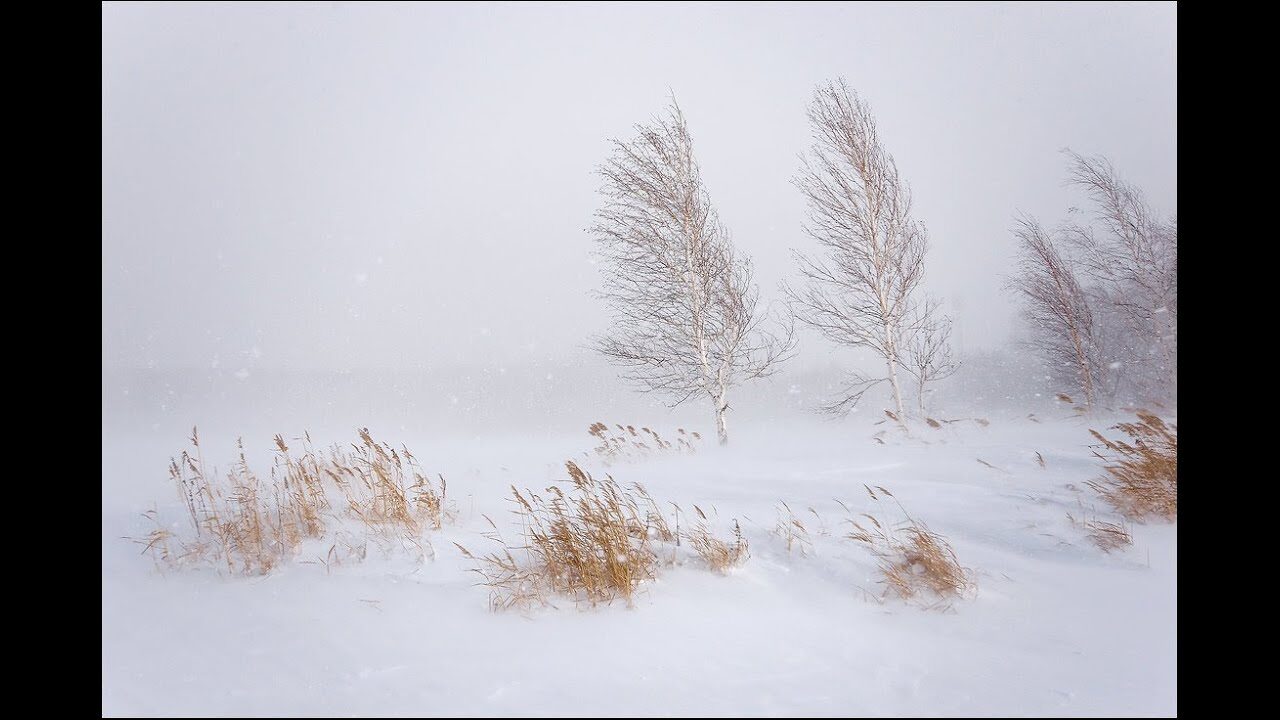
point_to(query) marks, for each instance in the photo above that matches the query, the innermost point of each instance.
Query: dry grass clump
(1108, 535)
(249, 525)
(792, 530)
(915, 562)
(156, 542)
(594, 542)
(719, 555)
(237, 520)
(387, 489)
(302, 482)
(1105, 534)
(1142, 477)
(623, 442)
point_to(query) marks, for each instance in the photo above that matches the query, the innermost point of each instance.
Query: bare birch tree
(927, 345)
(1131, 260)
(1057, 307)
(859, 211)
(686, 316)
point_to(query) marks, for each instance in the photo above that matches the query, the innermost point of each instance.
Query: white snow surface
(1057, 626)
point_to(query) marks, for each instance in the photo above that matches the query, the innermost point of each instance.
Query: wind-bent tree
(859, 292)
(686, 315)
(1102, 293)
(927, 346)
(1131, 262)
(1057, 308)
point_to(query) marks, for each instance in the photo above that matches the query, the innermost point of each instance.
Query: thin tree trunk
(1166, 330)
(722, 427)
(892, 363)
(1086, 371)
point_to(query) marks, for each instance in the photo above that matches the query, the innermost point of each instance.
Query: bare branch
(927, 344)
(854, 387)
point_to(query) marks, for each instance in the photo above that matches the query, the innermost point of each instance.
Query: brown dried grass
(623, 443)
(719, 555)
(915, 563)
(594, 542)
(792, 530)
(1105, 534)
(1141, 478)
(249, 526)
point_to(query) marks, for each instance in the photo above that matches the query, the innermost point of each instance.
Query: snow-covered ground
(1057, 626)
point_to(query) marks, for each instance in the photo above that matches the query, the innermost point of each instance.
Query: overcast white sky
(401, 186)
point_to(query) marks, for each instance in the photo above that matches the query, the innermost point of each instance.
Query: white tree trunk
(892, 363)
(722, 423)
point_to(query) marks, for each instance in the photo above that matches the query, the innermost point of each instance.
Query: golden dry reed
(792, 531)
(719, 555)
(247, 525)
(591, 542)
(623, 443)
(1105, 534)
(915, 563)
(1141, 478)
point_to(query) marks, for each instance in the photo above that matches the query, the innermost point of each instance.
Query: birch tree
(859, 291)
(1057, 308)
(1130, 256)
(687, 320)
(1101, 292)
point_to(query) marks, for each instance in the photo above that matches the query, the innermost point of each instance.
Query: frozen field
(1057, 626)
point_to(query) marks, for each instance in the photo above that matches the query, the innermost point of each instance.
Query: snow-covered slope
(1057, 626)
